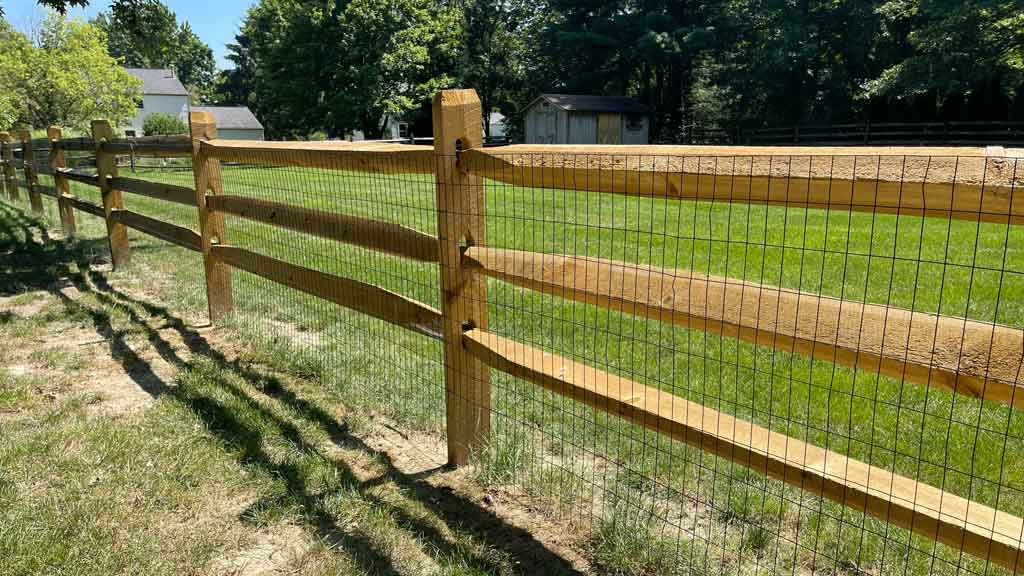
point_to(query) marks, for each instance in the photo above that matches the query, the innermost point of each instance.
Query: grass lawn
(653, 506)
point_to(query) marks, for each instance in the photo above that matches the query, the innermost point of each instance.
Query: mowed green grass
(960, 268)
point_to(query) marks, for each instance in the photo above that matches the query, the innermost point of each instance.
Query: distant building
(579, 119)
(497, 122)
(161, 92)
(234, 122)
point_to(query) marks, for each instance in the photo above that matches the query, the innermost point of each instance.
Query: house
(234, 122)
(580, 119)
(161, 92)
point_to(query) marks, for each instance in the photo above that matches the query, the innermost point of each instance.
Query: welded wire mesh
(794, 237)
(376, 365)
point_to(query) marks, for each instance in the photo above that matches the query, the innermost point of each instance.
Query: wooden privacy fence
(968, 357)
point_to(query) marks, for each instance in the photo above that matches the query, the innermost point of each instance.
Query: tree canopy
(147, 35)
(67, 78)
(308, 66)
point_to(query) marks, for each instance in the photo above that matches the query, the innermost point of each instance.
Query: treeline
(330, 66)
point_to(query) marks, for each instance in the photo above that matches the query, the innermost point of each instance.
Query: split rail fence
(977, 359)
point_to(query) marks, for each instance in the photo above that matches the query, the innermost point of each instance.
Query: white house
(161, 92)
(234, 122)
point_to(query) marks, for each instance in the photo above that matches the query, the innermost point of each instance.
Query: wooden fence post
(60, 183)
(212, 228)
(106, 168)
(28, 156)
(460, 222)
(10, 177)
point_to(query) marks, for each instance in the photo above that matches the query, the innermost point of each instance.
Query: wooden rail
(85, 206)
(172, 233)
(76, 144)
(974, 358)
(81, 177)
(47, 190)
(359, 296)
(165, 146)
(157, 190)
(374, 234)
(924, 509)
(383, 158)
(964, 183)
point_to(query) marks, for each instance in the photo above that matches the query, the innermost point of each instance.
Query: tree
(161, 124)
(15, 57)
(967, 53)
(68, 79)
(494, 50)
(147, 35)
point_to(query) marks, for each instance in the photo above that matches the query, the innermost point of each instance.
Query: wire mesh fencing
(695, 360)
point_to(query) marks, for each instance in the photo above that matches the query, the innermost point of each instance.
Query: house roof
(587, 103)
(159, 81)
(232, 117)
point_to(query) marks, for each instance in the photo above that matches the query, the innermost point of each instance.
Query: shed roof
(159, 81)
(587, 103)
(232, 117)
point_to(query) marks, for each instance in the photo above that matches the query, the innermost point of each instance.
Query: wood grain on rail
(978, 359)
(358, 296)
(964, 183)
(157, 190)
(955, 521)
(376, 157)
(374, 234)
(166, 231)
(85, 206)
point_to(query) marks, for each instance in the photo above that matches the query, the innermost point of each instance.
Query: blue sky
(215, 21)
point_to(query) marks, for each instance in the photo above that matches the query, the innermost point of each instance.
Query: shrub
(158, 124)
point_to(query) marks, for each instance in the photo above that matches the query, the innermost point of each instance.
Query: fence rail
(972, 358)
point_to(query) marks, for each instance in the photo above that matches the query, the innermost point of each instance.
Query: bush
(159, 124)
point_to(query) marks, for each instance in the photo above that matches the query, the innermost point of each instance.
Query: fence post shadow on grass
(459, 513)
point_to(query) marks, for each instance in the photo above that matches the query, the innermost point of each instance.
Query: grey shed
(234, 122)
(582, 119)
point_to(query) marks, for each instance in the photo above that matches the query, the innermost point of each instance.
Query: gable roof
(159, 81)
(587, 103)
(232, 117)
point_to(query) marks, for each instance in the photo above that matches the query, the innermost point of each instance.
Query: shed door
(609, 129)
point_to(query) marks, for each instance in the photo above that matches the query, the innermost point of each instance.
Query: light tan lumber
(380, 158)
(212, 228)
(85, 206)
(28, 156)
(460, 220)
(58, 162)
(978, 359)
(10, 176)
(374, 234)
(157, 190)
(106, 168)
(359, 296)
(964, 183)
(159, 229)
(164, 146)
(952, 520)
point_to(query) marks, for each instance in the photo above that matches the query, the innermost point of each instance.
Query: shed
(582, 119)
(234, 122)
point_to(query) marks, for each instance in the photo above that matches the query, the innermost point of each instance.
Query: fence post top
(53, 132)
(23, 135)
(457, 117)
(5, 136)
(202, 125)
